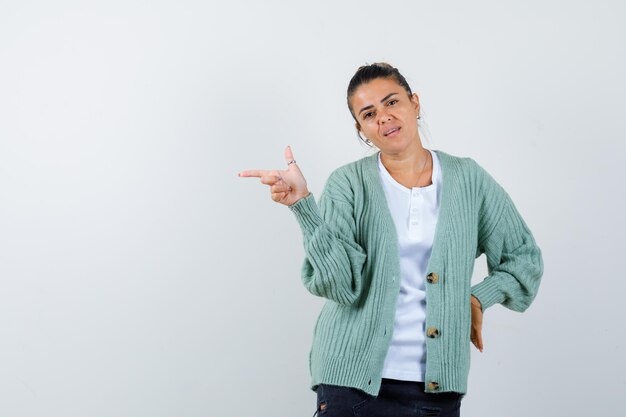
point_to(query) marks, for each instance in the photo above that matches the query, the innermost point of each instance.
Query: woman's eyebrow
(382, 100)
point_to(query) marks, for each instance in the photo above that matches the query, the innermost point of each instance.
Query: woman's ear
(416, 102)
(359, 133)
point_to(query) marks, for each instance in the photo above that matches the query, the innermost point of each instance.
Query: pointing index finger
(253, 173)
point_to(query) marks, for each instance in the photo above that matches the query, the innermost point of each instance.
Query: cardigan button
(432, 332)
(433, 386)
(432, 278)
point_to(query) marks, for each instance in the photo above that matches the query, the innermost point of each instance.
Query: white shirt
(415, 212)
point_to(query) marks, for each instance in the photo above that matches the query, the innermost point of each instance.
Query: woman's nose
(383, 117)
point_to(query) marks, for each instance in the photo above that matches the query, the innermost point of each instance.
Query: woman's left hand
(477, 323)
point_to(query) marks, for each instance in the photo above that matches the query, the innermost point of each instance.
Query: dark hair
(367, 73)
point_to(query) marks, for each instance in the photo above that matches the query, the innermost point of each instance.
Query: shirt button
(433, 386)
(432, 332)
(432, 278)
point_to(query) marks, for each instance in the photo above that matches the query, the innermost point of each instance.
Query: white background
(139, 276)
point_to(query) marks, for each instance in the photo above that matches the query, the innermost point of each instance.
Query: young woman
(391, 245)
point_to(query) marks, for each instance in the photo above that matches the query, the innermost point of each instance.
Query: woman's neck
(411, 168)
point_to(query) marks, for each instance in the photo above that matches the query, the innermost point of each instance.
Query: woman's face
(386, 115)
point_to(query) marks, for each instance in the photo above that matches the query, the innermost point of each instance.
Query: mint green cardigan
(352, 260)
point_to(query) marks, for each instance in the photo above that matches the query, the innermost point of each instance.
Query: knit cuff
(488, 293)
(307, 213)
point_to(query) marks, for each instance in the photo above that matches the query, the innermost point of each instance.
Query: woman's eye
(367, 115)
(392, 102)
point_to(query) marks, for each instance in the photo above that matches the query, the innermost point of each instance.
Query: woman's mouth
(391, 132)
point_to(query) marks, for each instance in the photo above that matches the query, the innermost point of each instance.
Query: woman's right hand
(286, 186)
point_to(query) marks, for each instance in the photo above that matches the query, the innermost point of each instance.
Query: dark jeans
(395, 399)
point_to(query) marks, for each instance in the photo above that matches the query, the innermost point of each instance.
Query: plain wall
(139, 276)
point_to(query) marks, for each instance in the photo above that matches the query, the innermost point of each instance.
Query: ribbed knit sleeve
(514, 260)
(333, 265)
